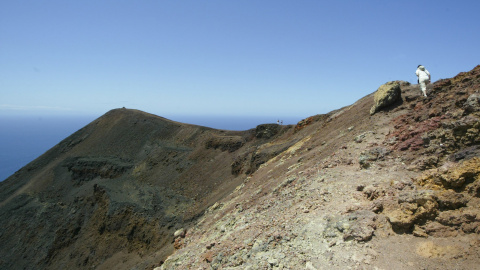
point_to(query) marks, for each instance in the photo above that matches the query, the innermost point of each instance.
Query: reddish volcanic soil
(399, 189)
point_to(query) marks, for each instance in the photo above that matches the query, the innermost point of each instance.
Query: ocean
(24, 138)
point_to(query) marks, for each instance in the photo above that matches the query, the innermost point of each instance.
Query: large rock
(473, 103)
(460, 177)
(369, 155)
(359, 226)
(386, 95)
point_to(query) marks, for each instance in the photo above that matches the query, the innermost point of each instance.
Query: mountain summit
(395, 189)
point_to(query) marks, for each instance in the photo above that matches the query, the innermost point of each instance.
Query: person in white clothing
(423, 78)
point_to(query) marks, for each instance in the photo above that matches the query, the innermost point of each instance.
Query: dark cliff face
(121, 185)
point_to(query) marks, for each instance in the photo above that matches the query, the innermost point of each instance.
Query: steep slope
(396, 190)
(116, 190)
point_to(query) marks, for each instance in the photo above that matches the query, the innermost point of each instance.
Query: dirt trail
(316, 206)
(399, 189)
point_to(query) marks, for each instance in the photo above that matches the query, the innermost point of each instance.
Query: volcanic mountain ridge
(399, 189)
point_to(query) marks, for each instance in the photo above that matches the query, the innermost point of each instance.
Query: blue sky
(223, 58)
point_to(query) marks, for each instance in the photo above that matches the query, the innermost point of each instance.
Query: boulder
(473, 103)
(359, 226)
(386, 95)
(451, 200)
(373, 154)
(363, 226)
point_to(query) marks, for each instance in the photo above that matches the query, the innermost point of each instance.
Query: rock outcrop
(473, 103)
(342, 190)
(414, 196)
(442, 202)
(121, 185)
(387, 94)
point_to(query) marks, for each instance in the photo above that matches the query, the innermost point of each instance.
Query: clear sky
(223, 57)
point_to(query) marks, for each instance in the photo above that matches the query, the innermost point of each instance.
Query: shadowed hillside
(118, 188)
(397, 189)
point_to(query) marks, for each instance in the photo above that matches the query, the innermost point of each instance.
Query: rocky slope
(398, 189)
(395, 190)
(114, 192)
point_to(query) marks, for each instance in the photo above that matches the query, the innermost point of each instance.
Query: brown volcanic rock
(311, 206)
(386, 95)
(343, 190)
(442, 118)
(116, 190)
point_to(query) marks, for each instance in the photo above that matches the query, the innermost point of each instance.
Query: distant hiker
(423, 78)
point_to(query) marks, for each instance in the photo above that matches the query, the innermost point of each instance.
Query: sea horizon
(25, 138)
